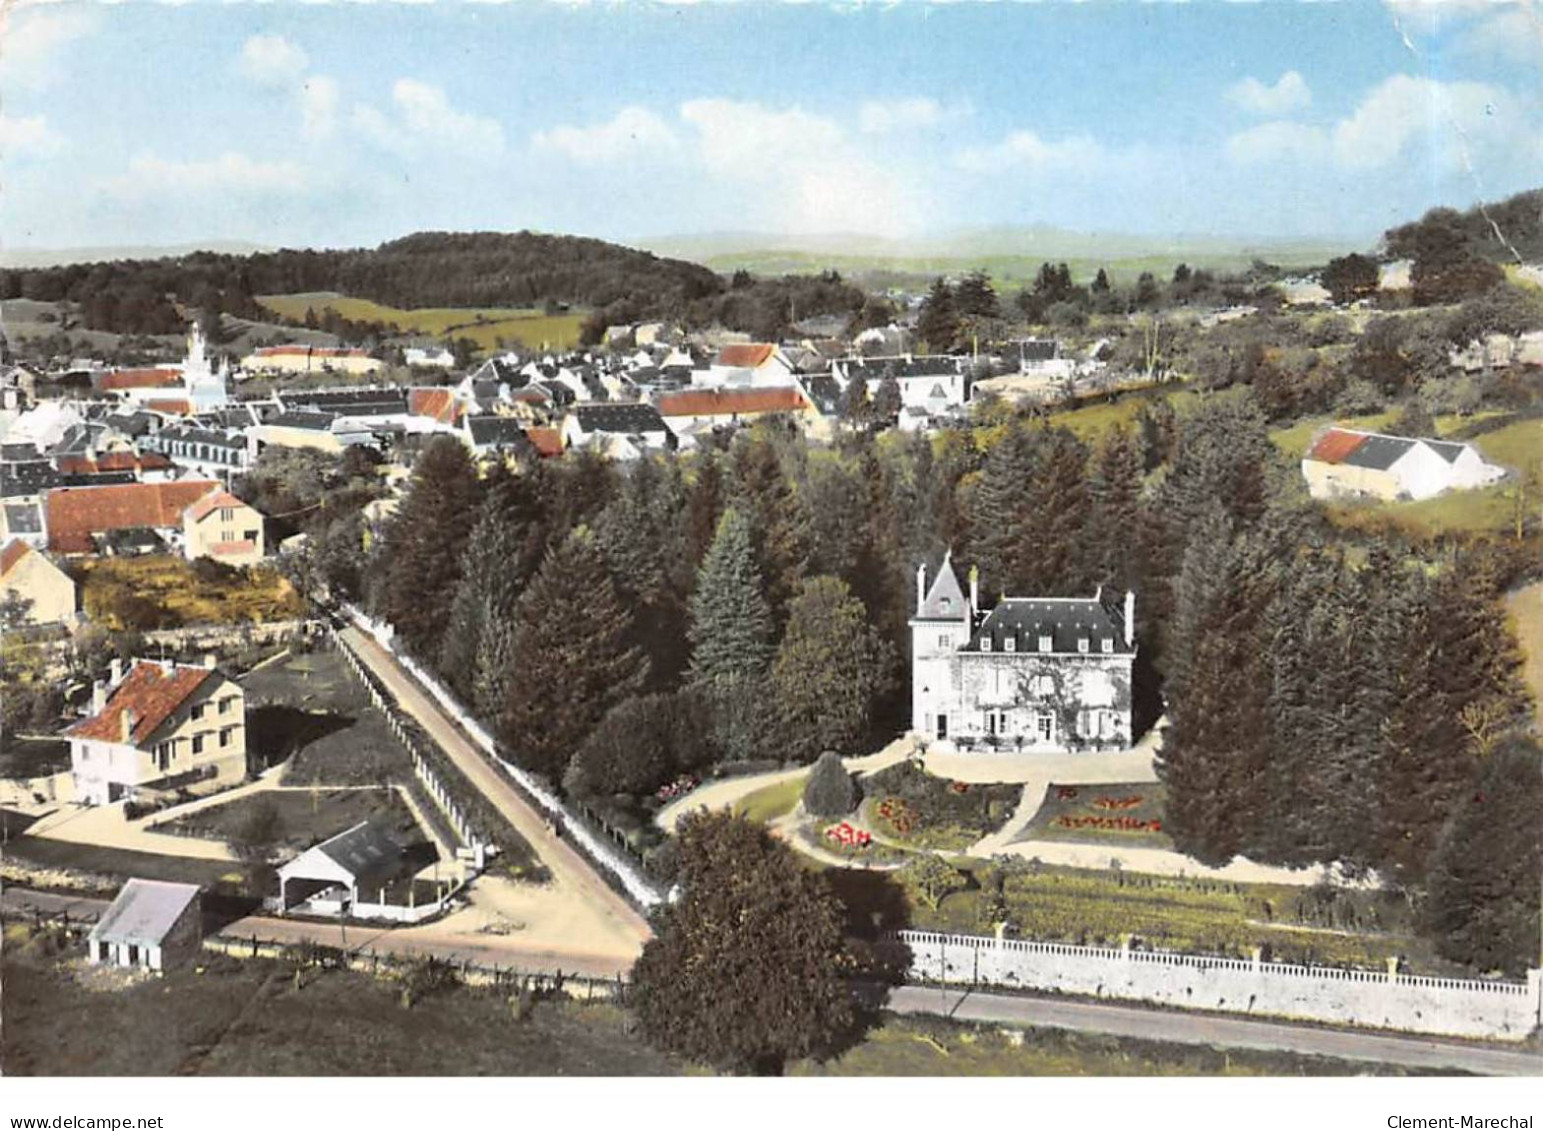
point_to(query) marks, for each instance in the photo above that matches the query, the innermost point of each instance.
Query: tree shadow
(276, 731)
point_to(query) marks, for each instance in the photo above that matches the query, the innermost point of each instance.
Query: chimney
(115, 672)
(127, 718)
(974, 589)
(210, 659)
(1130, 619)
(98, 697)
(921, 587)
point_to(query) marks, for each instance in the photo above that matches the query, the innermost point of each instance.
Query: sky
(347, 124)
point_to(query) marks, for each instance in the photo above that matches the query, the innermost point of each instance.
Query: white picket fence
(636, 884)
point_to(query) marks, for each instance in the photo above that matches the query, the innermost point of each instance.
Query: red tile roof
(152, 693)
(748, 355)
(113, 461)
(724, 402)
(547, 441)
(1334, 446)
(156, 378)
(312, 351)
(170, 407)
(210, 501)
(437, 404)
(76, 513)
(15, 550)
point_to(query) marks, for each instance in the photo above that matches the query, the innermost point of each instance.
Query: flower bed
(1098, 814)
(910, 806)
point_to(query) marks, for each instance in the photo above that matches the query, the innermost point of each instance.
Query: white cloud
(318, 107)
(425, 119)
(1447, 124)
(632, 131)
(231, 174)
(31, 39)
(1026, 151)
(1402, 110)
(747, 140)
(1269, 142)
(1288, 95)
(22, 138)
(899, 114)
(1514, 32)
(796, 171)
(272, 60)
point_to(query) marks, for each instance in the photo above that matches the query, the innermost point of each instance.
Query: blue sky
(344, 124)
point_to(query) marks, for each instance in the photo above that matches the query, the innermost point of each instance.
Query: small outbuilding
(330, 877)
(153, 925)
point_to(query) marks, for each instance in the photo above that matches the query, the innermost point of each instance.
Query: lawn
(484, 325)
(1087, 421)
(773, 801)
(1102, 814)
(285, 822)
(933, 1046)
(1055, 904)
(161, 591)
(229, 1017)
(910, 807)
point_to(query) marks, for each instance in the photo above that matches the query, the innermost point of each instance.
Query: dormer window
(1009, 644)
(946, 604)
(1044, 643)
(1106, 644)
(1082, 644)
(985, 643)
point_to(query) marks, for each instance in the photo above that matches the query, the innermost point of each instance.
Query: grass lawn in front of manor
(1102, 814)
(770, 802)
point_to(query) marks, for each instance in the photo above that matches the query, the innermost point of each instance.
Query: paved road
(612, 924)
(1222, 1032)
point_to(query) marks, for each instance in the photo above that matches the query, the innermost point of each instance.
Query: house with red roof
(756, 364)
(157, 729)
(47, 591)
(222, 527)
(1346, 462)
(693, 409)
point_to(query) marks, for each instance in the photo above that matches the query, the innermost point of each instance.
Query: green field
(484, 325)
(772, 801)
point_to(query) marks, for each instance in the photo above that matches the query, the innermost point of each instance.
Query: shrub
(641, 743)
(831, 791)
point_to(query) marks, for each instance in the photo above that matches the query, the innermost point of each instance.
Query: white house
(1345, 462)
(152, 925)
(1046, 674)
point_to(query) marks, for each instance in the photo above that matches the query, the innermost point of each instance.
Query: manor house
(1047, 674)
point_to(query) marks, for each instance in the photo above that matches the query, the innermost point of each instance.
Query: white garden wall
(1444, 1006)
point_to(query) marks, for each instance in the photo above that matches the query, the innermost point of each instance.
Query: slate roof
(1024, 620)
(824, 391)
(625, 419)
(144, 912)
(18, 452)
(1373, 450)
(496, 432)
(1446, 449)
(309, 421)
(1038, 349)
(363, 850)
(24, 518)
(1378, 453)
(152, 693)
(352, 402)
(877, 368)
(76, 513)
(131, 424)
(27, 478)
(945, 600)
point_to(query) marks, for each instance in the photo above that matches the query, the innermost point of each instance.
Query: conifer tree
(778, 524)
(571, 636)
(999, 511)
(426, 543)
(731, 633)
(828, 672)
(1114, 487)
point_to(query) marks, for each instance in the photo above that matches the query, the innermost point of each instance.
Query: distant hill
(1506, 231)
(1009, 254)
(63, 256)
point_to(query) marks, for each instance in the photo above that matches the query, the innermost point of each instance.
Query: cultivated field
(484, 325)
(161, 591)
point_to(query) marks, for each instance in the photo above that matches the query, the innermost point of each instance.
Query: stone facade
(1033, 674)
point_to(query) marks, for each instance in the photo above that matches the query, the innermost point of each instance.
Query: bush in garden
(830, 791)
(640, 744)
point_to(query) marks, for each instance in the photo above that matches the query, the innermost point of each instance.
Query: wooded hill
(1498, 232)
(428, 269)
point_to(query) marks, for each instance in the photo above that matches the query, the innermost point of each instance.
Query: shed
(152, 924)
(330, 876)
